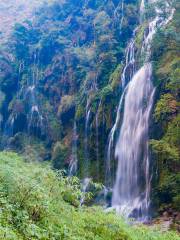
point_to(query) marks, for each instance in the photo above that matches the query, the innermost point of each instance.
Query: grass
(39, 203)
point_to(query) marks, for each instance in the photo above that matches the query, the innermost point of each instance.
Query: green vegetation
(38, 203)
(166, 141)
(75, 51)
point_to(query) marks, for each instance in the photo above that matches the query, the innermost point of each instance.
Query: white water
(131, 192)
(97, 137)
(35, 118)
(132, 147)
(122, 15)
(85, 185)
(142, 9)
(9, 125)
(127, 74)
(119, 14)
(86, 138)
(74, 160)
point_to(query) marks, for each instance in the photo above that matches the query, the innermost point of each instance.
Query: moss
(114, 80)
(59, 155)
(80, 112)
(172, 135)
(106, 92)
(67, 102)
(2, 98)
(55, 129)
(166, 107)
(140, 35)
(166, 152)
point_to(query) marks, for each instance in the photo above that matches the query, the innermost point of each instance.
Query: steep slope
(166, 114)
(12, 12)
(67, 64)
(61, 81)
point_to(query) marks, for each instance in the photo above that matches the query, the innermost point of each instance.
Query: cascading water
(35, 117)
(131, 192)
(8, 130)
(97, 137)
(142, 9)
(28, 93)
(86, 147)
(122, 16)
(74, 161)
(132, 147)
(85, 184)
(128, 72)
(119, 13)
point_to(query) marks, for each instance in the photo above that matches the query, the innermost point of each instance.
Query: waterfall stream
(131, 191)
(86, 138)
(27, 92)
(119, 13)
(35, 118)
(74, 160)
(97, 136)
(128, 72)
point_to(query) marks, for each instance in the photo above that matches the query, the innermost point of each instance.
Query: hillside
(37, 203)
(12, 12)
(91, 87)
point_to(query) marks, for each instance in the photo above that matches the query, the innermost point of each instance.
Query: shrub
(39, 203)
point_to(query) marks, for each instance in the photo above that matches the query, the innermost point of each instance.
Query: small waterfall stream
(122, 14)
(74, 160)
(8, 130)
(35, 118)
(97, 137)
(119, 13)
(27, 92)
(86, 140)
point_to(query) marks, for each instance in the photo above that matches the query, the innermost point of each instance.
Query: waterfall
(85, 184)
(132, 146)
(131, 191)
(8, 131)
(20, 71)
(74, 160)
(97, 137)
(122, 14)
(127, 74)
(120, 7)
(142, 9)
(35, 118)
(86, 147)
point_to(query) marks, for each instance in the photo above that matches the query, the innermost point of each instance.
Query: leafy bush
(38, 203)
(167, 154)
(165, 107)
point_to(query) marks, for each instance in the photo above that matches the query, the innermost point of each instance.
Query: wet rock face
(168, 219)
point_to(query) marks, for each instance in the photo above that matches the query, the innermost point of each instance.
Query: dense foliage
(166, 141)
(38, 203)
(72, 51)
(67, 60)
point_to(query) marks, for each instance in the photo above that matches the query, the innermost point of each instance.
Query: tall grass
(39, 203)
